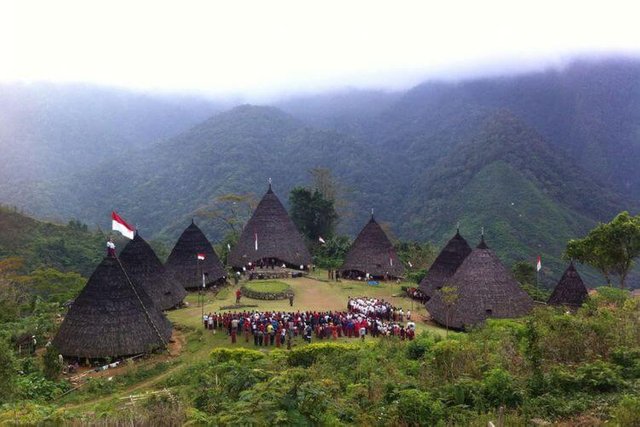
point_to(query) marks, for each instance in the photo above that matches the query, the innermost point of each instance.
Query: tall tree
(313, 214)
(232, 210)
(610, 248)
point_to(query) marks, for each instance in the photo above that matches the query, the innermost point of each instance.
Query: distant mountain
(48, 131)
(535, 159)
(160, 188)
(346, 111)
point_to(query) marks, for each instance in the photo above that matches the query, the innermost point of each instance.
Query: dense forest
(535, 159)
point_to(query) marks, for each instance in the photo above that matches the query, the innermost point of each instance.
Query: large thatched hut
(570, 290)
(183, 264)
(445, 264)
(481, 288)
(372, 253)
(270, 237)
(145, 269)
(112, 317)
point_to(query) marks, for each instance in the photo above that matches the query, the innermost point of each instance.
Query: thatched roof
(183, 265)
(482, 288)
(373, 253)
(570, 290)
(111, 317)
(277, 235)
(145, 269)
(445, 265)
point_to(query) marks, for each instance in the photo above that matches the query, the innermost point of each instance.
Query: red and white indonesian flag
(119, 224)
(256, 240)
(539, 264)
(201, 256)
(321, 240)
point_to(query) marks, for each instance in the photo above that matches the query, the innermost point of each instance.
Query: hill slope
(43, 244)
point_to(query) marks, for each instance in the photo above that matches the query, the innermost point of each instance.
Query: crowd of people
(363, 316)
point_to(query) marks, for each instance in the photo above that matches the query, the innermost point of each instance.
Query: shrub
(239, 354)
(454, 358)
(562, 379)
(600, 376)
(499, 389)
(417, 408)
(629, 360)
(417, 348)
(627, 412)
(308, 355)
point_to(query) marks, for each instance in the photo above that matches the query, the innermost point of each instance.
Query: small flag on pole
(321, 240)
(119, 224)
(539, 264)
(256, 238)
(201, 257)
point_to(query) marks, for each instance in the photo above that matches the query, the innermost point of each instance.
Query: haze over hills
(48, 131)
(535, 159)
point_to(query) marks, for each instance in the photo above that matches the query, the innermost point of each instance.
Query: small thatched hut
(372, 253)
(112, 317)
(145, 269)
(481, 288)
(445, 265)
(270, 238)
(183, 264)
(570, 290)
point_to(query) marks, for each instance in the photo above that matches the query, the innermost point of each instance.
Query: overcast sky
(269, 47)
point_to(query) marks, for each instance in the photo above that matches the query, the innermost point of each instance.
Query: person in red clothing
(238, 296)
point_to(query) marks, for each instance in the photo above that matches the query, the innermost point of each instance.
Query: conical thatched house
(445, 265)
(111, 317)
(570, 290)
(270, 236)
(145, 269)
(481, 288)
(372, 253)
(183, 265)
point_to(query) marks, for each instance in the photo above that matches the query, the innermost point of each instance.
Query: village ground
(192, 343)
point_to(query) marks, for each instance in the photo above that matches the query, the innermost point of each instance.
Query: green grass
(151, 374)
(267, 286)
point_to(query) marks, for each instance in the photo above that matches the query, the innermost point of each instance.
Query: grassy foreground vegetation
(552, 366)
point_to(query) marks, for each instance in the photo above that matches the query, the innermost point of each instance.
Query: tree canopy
(610, 247)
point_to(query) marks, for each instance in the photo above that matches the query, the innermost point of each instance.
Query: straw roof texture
(482, 288)
(445, 264)
(145, 269)
(373, 253)
(277, 235)
(570, 290)
(183, 265)
(111, 317)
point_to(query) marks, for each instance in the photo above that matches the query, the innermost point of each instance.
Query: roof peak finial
(371, 213)
(269, 180)
(192, 221)
(458, 228)
(482, 244)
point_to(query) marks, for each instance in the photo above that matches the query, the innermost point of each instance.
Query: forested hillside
(40, 244)
(535, 159)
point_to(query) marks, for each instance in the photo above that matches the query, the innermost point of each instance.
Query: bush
(309, 354)
(600, 376)
(563, 380)
(220, 355)
(417, 408)
(629, 360)
(627, 412)
(499, 389)
(454, 358)
(417, 348)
